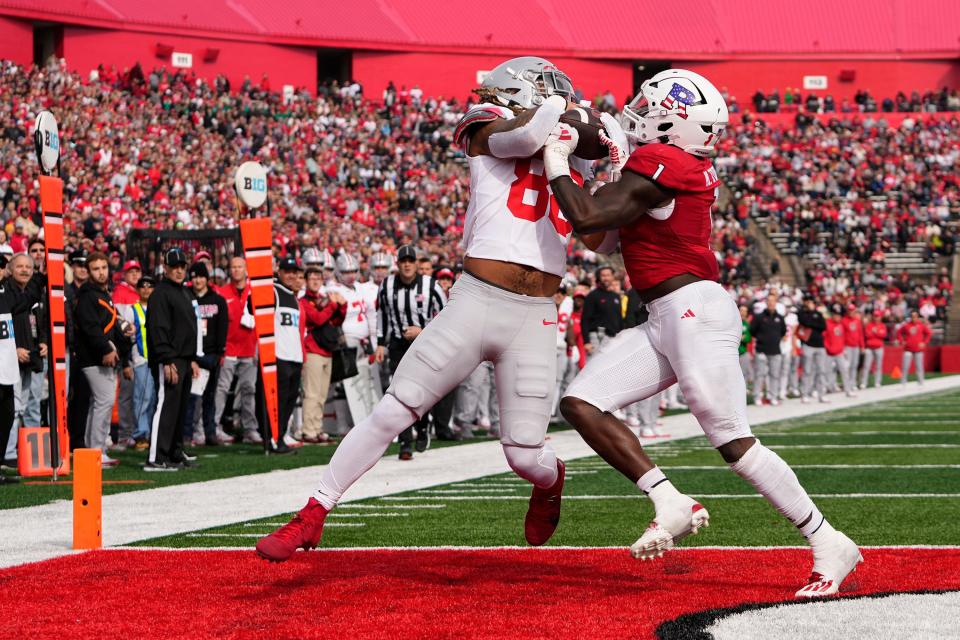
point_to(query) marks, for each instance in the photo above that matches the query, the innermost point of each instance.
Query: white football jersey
(512, 215)
(360, 323)
(563, 321)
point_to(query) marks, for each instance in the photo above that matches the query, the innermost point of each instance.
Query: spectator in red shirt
(914, 335)
(320, 313)
(874, 334)
(239, 359)
(853, 341)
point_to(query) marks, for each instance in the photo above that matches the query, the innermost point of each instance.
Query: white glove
(561, 142)
(615, 139)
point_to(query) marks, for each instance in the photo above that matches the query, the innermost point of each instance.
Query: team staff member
(810, 331)
(317, 367)
(875, 333)
(407, 302)
(834, 344)
(239, 359)
(101, 347)
(855, 341)
(288, 328)
(602, 314)
(78, 393)
(212, 312)
(12, 300)
(172, 352)
(125, 295)
(914, 335)
(767, 329)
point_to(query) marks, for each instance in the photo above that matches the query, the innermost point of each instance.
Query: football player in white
(360, 330)
(500, 310)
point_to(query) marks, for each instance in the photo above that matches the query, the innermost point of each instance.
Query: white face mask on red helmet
(677, 107)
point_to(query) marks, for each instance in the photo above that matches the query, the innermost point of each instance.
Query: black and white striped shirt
(402, 305)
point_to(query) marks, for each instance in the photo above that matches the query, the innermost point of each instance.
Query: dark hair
(312, 270)
(96, 256)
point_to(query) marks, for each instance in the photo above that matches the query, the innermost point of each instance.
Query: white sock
(654, 483)
(776, 481)
(362, 447)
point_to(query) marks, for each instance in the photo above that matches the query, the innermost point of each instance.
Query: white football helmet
(312, 257)
(527, 81)
(381, 259)
(677, 107)
(328, 262)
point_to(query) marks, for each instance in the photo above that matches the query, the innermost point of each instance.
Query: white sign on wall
(182, 60)
(481, 76)
(812, 83)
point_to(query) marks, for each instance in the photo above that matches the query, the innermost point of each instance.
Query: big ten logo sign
(52, 140)
(814, 83)
(6, 327)
(255, 184)
(289, 319)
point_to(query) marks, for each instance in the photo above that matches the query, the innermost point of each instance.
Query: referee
(406, 303)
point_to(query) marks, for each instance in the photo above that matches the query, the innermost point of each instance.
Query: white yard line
(30, 534)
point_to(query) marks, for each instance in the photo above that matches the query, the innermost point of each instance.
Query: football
(587, 123)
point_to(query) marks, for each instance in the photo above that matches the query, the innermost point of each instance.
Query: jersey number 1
(530, 195)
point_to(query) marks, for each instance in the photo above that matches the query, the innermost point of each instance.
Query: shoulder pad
(478, 114)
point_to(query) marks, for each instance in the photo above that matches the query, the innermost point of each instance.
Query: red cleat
(303, 532)
(543, 514)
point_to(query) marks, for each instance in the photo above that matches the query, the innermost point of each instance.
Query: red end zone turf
(496, 593)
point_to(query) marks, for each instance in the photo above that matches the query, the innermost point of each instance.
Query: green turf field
(213, 463)
(885, 474)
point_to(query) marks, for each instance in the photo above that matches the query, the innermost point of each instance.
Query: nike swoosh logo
(547, 324)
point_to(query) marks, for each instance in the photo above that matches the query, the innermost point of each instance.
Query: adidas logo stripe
(688, 314)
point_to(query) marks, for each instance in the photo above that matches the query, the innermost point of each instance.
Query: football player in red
(662, 208)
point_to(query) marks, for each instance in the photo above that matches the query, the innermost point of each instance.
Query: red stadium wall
(16, 40)
(85, 49)
(882, 78)
(456, 74)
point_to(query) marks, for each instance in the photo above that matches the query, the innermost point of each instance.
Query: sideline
(31, 534)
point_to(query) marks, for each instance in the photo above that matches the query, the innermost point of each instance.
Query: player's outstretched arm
(613, 205)
(518, 137)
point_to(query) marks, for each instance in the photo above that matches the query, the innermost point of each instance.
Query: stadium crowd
(359, 187)
(792, 101)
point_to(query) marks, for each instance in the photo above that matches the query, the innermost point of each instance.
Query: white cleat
(669, 528)
(832, 563)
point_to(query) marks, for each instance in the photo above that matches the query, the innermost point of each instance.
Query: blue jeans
(144, 401)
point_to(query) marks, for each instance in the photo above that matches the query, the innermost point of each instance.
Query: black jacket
(767, 330)
(814, 322)
(98, 327)
(171, 324)
(30, 328)
(213, 318)
(13, 302)
(601, 310)
(636, 310)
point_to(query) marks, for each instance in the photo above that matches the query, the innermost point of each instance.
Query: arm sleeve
(527, 139)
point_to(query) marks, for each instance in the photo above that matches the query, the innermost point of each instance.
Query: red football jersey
(657, 250)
